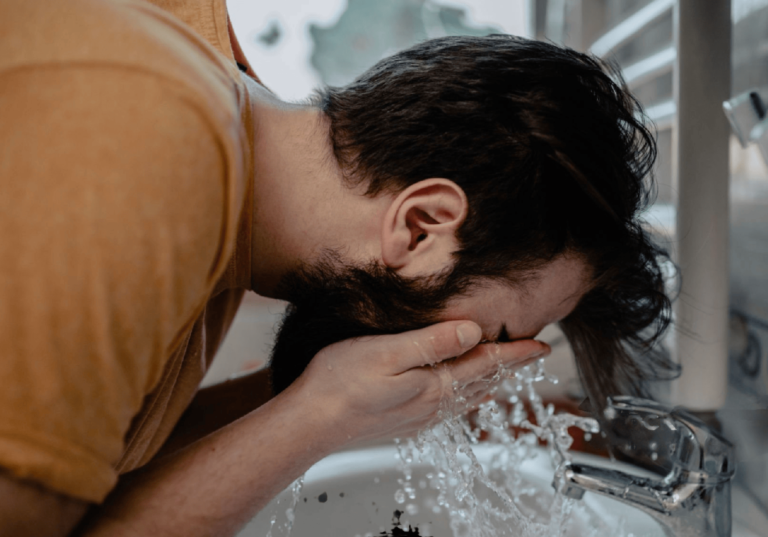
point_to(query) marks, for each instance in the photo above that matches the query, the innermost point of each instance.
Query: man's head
(527, 156)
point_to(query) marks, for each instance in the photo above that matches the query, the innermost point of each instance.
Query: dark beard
(331, 301)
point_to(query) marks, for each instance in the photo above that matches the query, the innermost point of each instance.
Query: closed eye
(503, 335)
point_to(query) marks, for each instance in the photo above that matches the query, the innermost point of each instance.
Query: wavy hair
(554, 156)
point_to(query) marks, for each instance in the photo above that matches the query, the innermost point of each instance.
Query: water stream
(496, 501)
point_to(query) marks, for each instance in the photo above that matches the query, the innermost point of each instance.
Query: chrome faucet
(679, 470)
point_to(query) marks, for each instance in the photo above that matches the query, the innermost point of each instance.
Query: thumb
(433, 344)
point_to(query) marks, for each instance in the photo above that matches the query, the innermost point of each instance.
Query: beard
(331, 301)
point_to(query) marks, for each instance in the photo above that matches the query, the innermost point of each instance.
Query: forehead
(547, 297)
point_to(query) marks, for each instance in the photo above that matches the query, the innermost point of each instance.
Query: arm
(219, 405)
(377, 386)
(27, 505)
(111, 219)
(28, 510)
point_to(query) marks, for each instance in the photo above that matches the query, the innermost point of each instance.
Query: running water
(497, 502)
(290, 513)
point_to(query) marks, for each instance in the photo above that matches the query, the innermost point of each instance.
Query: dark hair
(553, 155)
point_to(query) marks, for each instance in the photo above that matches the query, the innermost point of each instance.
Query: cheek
(490, 311)
(461, 311)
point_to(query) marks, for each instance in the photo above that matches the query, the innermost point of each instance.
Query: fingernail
(469, 335)
(537, 354)
(528, 360)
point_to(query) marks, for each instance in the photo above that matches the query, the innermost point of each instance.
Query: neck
(301, 205)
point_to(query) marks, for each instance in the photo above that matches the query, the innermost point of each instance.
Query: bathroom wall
(749, 218)
(747, 423)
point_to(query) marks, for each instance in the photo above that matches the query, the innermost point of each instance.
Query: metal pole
(700, 164)
(530, 23)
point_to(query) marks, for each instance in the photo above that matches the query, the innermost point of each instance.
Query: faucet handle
(670, 442)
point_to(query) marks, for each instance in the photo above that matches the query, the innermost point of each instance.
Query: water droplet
(271, 524)
(400, 496)
(330, 367)
(654, 456)
(412, 509)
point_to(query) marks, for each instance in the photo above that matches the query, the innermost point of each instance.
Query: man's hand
(392, 385)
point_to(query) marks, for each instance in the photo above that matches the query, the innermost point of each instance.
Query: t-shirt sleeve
(112, 202)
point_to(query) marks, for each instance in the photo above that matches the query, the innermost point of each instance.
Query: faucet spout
(683, 510)
(638, 491)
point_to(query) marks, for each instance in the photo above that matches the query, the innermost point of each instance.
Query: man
(425, 222)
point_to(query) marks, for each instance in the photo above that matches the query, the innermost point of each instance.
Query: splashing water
(497, 502)
(290, 513)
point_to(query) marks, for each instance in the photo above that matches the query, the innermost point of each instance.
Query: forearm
(351, 391)
(217, 484)
(219, 405)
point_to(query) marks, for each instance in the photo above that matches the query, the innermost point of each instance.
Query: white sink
(353, 494)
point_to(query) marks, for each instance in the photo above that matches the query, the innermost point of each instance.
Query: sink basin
(352, 494)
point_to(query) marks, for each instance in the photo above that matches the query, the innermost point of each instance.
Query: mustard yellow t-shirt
(124, 228)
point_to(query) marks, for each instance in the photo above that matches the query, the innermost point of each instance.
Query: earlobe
(419, 228)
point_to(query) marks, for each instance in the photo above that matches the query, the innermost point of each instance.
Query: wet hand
(393, 385)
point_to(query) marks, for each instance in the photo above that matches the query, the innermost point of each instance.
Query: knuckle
(427, 349)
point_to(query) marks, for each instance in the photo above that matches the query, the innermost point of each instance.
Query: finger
(485, 360)
(474, 401)
(480, 391)
(431, 345)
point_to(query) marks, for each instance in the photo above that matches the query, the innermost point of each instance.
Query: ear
(420, 225)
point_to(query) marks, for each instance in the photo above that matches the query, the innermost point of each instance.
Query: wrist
(314, 419)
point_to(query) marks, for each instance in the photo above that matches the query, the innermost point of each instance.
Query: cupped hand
(392, 385)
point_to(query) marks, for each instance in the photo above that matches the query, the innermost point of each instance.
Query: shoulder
(117, 166)
(114, 218)
(129, 78)
(122, 34)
